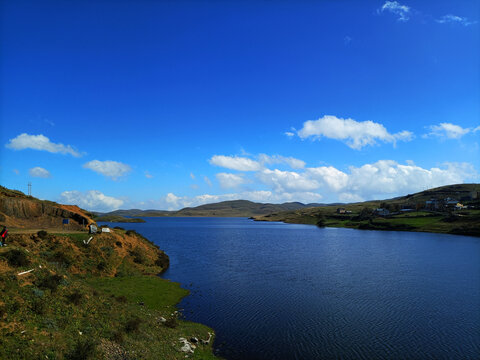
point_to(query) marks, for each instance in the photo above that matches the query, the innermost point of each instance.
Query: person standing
(3, 235)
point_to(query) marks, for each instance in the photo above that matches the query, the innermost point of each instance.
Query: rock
(162, 319)
(187, 347)
(194, 340)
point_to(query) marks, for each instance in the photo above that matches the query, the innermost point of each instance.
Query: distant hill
(405, 213)
(234, 208)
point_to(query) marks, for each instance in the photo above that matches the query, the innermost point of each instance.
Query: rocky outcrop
(19, 210)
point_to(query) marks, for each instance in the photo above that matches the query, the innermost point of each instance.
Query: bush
(38, 307)
(171, 322)
(61, 258)
(138, 256)
(75, 297)
(42, 234)
(50, 282)
(119, 244)
(121, 299)
(163, 261)
(16, 258)
(133, 325)
(118, 337)
(102, 265)
(84, 349)
(321, 220)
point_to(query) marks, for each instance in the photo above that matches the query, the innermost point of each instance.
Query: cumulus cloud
(387, 177)
(454, 19)
(289, 133)
(356, 134)
(228, 181)
(279, 159)
(394, 7)
(39, 142)
(235, 163)
(111, 169)
(287, 181)
(39, 172)
(92, 200)
(448, 130)
(330, 177)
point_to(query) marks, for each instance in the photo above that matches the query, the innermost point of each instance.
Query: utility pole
(29, 189)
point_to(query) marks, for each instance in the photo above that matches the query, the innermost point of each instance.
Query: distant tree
(365, 213)
(321, 220)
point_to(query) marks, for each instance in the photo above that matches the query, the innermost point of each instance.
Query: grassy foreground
(101, 301)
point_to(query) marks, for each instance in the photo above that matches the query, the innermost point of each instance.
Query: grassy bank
(461, 223)
(101, 301)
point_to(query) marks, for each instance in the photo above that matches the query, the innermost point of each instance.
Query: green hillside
(405, 213)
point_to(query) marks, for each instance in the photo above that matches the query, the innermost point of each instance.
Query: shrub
(133, 325)
(75, 297)
(102, 265)
(171, 322)
(162, 260)
(119, 244)
(61, 258)
(138, 256)
(16, 258)
(119, 228)
(50, 282)
(42, 234)
(38, 307)
(118, 337)
(84, 349)
(121, 299)
(321, 220)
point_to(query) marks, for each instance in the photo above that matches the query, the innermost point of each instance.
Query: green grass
(156, 293)
(83, 316)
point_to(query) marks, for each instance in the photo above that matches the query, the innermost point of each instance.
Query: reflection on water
(283, 291)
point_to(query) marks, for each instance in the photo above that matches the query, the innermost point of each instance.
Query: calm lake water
(283, 291)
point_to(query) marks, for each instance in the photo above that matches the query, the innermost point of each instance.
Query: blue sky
(166, 104)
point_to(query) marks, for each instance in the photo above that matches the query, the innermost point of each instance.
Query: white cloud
(92, 200)
(387, 177)
(235, 163)
(287, 181)
(476, 129)
(329, 177)
(454, 19)
(228, 181)
(448, 130)
(289, 133)
(16, 171)
(355, 134)
(39, 172)
(192, 176)
(402, 11)
(207, 180)
(279, 159)
(148, 175)
(39, 142)
(111, 169)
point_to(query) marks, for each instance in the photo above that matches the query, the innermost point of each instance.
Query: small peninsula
(68, 294)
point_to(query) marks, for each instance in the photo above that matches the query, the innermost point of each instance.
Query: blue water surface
(286, 291)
